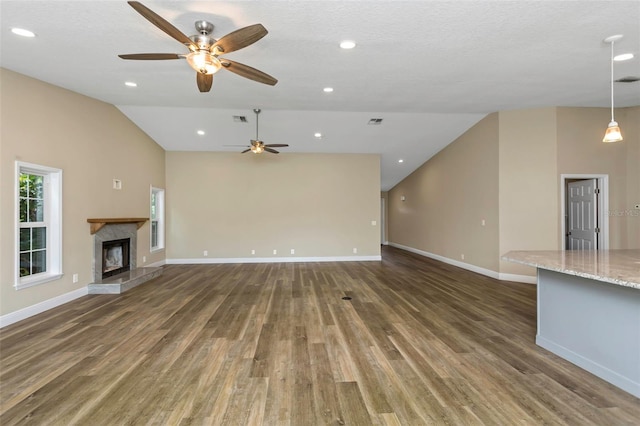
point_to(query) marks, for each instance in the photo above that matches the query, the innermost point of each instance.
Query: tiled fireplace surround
(115, 231)
(121, 282)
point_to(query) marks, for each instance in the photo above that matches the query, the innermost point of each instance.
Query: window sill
(32, 282)
(155, 250)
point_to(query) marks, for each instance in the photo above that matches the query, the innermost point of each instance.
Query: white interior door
(582, 205)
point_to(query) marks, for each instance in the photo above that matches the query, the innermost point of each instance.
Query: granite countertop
(621, 267)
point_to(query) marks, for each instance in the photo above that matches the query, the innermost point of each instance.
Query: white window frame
(159, 196)
(52, 220)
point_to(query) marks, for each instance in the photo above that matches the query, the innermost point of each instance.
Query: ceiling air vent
(375, 121)
(628, 79)
(239, 118)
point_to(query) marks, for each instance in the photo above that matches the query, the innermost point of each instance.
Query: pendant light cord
(612, 43)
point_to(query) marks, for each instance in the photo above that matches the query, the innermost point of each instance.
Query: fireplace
(115, 257)
(108, 231)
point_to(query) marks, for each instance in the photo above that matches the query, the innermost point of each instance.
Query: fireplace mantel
(98, 224)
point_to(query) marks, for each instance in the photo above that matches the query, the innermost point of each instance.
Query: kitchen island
(589, 310)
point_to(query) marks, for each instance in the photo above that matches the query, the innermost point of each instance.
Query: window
(39, 224)
(157, 219)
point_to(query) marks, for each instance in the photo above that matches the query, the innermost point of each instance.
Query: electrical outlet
(293, 251)
(117, 184)
(483, 222)
(205, 253)
(253, 252)
(75, 278)
(355, 250)
(144, 259)
(275, 252)
(462, 256)
(373, 223)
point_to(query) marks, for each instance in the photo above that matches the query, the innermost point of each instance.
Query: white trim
(525, 279)
(38, 308)
(603, 208)
(473, 268)
(52, 220)
(272, 259)
(156, 264)
(160, 206)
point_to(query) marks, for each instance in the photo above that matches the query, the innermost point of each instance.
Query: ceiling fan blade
(276, 145)
(273, 151)
(246, 150)
(248, 72)
(151, 56)
(161, 23)
(204, 81)
(241, 38)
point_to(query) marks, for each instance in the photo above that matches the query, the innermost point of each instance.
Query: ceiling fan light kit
(204, 50)
(613, 133)
(257, 146)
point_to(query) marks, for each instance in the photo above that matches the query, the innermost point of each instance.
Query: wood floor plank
(420, 342)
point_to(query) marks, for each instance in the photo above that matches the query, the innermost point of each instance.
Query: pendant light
(613, 133)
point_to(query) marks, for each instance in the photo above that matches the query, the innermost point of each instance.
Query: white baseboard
(272, 259)
(526, 279)
(38, 308)
(469, 267)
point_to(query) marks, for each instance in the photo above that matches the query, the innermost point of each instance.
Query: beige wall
(518, 168)
(581, 151)
(93, 143)
(447, 198)
(528, 184)
(321, 205)
(631, 119)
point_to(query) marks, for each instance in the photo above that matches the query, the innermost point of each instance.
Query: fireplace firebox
(115, 257)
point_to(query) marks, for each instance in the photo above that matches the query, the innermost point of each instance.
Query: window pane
(39, 238)
(24, 205)
(25, 264)
(154, 234)
(38, 261)
(37, 189)
(24, 185)
(36, 211)
(153, 205)
(25, 239)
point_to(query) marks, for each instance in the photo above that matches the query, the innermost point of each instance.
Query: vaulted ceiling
(429, 69)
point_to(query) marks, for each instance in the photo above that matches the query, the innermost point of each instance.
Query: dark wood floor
(420, 342)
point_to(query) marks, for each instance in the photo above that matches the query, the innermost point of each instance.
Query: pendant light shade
(613, 133)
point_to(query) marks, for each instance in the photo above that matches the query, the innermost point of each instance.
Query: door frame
(603, 207)
(383, 221)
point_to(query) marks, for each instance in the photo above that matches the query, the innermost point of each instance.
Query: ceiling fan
(257, 146)
(204, 50)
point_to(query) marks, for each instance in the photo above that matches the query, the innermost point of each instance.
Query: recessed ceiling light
(131, 84)
(347, 44)
(317, 135)
(328, 89)
(401, 161)
(200, 132)
(623, 57)
(22, 32)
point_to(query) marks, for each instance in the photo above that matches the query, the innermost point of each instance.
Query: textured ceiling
(430, 69)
